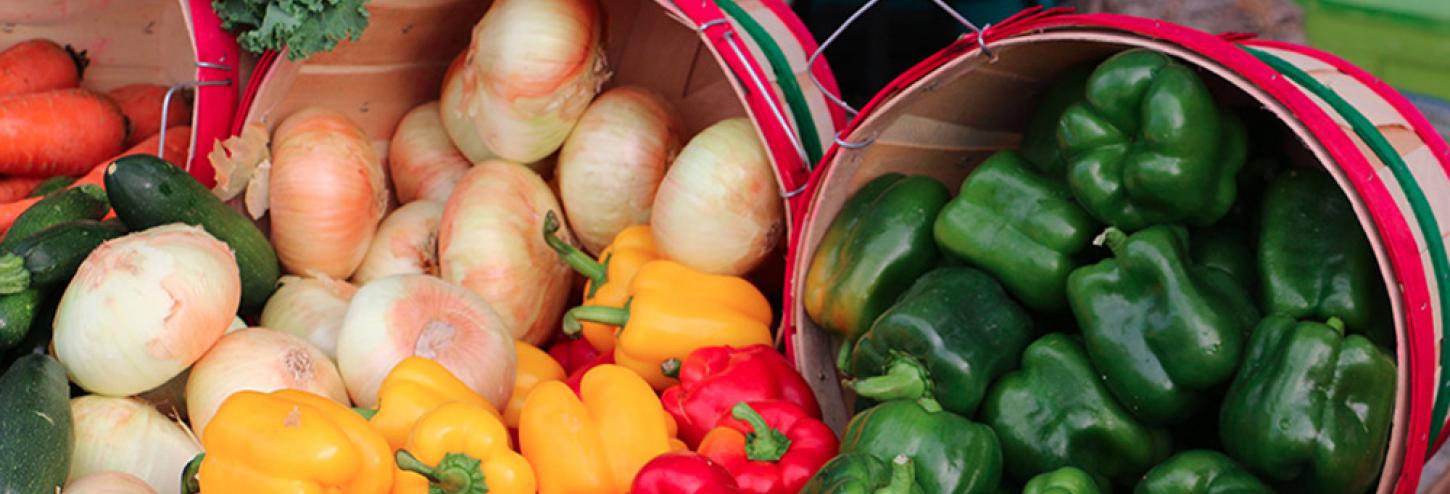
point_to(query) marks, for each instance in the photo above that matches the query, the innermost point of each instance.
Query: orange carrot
(178, 140)
(39, 65)
(142, 105)
(61, 132)
(13, 188)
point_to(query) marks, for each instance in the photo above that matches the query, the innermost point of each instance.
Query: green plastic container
(1404, 42)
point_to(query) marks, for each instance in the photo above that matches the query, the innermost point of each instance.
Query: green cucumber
(147, 192)
(35, 421)
(51, 184)
(51, 256)
(87, 202)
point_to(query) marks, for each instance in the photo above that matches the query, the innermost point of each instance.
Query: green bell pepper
(876, 247)
(951, 454)
(951, 334)
(1039, 143)
(1314, 257)
(1310, 409)
(1019, 226)
(1065, 480)
(1229, 247)
(1159, 329)
(1149, 145)
(1056, 412)
(861, 473)
(1200, 471)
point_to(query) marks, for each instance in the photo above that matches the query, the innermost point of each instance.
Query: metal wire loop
(798, 190)
(769, 97)
(710, 24)
(166, 107)
(844, 144)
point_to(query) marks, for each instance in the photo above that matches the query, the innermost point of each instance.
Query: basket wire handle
(171, 93)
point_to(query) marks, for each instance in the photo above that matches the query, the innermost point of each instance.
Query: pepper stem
(1113, 238)
(904, 379)
(456, 474)
(13, 275)
(367, 413)
(843, 356)
(1333, 322)
(189, 483)
(903, 476)
(613, 316)
(671, 368)
(763, 443)
(571, 255)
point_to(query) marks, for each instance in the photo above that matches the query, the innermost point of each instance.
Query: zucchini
(52, 255)
(17, 312)
(51, 184)
(147, 192)
(87, 202)
(35, 421)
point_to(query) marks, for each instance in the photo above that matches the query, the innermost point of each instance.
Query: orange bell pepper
(535, 367)
(413, 388)
(609, 276)
(594, 442)
(292, 441)
(461, 448)
(674, 310)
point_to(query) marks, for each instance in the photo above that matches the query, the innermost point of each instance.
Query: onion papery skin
(613, 162)
(311, 309)
(406, 243)
(144, 307)
(258, 359)
(533, 66)
(327, 193)
(491, 242)
(128, 435)
(719, 209)
(396, 317)
(422, 160)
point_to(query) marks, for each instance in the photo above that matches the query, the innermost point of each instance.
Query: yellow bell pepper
(609, 276)
(292, 441)
(413, 388)
(535, 367)
(461, 448)
(597, 441)
(674, 310)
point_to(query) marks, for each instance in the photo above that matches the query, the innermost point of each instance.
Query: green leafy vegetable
(303, 27)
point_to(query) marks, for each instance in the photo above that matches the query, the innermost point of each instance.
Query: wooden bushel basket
(174, 43)
(951, 111)
(710, 63)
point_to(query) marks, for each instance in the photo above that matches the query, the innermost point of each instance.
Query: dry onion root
(393, 318)
(406, 243)
(421, 158)
(258, 359)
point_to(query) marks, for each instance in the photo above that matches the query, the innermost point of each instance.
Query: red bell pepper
(577, 375)
(572, 353)
(771, 447)
(683, 473)
(713, 379)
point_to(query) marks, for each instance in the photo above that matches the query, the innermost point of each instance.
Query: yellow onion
(460, 128)
(491, 241)
(406, 243)
(309, 308)
(532, 68)
(326, 194)
(108, 483)
(258, 359)
(613, 162)
(396, 317)
(143, 307)
(421, 159)
(718, 209)
(128, 435)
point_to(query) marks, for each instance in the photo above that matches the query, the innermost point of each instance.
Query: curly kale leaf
(303, 27)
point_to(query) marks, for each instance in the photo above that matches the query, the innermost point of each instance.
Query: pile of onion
(406, 243)
(421, 158)
(613, 162)
(311, 309)
(327, 193)
(128, 435)
(393, 318)
(258, 359)
(491, 241)
(532, 69)
(718, 209)
(143, 307)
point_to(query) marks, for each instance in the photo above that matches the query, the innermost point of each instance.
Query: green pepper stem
(189, 482)
(904, 380)
(571, 255)
(843, 356)
(13, 275)
(456, 474)
(367, 413)
(1113, 238)
(671, 368)
(1333, 322)
(613, 316)
(903, 476)
(763, 443)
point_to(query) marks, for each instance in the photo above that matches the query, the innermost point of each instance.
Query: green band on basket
(780, 65)
(1424, 215)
